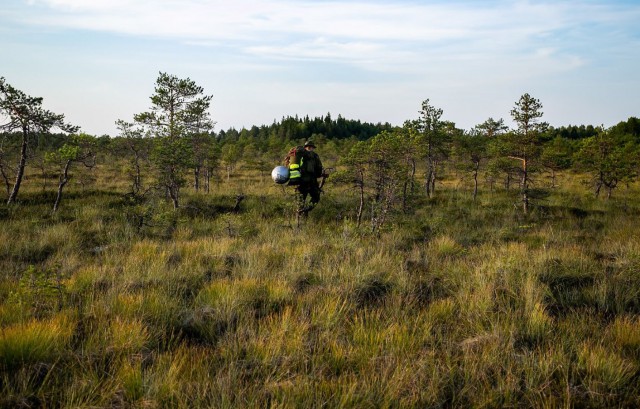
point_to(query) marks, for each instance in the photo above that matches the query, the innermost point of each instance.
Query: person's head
(309, 145)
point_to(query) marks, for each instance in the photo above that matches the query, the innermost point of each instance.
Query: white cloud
(372, 35)
(363, 58)
(245, 19)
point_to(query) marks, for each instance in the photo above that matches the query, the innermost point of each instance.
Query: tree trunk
(361, 205)
(137, 180)
(428, 184)
(5, 178)
(434, 177)
(196, 178)
(64, 178)
(373, 217)
(412, 176)
(525, 187)
(405, 190)
(173, 188)
(475, 181)
(610, 186)
(173, 193)
(207, 179)
(599, 184)
(23, 160)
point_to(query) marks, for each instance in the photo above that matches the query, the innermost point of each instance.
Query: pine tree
(179, 113)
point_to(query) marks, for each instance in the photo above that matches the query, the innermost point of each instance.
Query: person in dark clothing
(311, 170)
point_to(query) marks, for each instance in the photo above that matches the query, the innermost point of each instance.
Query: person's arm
(319, 168)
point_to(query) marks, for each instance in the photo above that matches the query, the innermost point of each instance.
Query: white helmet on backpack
(280, 175)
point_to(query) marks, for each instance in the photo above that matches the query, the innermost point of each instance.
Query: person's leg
(301, 198)
(315, 194)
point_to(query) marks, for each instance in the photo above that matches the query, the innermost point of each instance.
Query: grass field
(455, 303)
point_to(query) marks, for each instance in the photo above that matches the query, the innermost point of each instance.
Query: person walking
(310, 170)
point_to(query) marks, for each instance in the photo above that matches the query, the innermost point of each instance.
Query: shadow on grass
(372, 291)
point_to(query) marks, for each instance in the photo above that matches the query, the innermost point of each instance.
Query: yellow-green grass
(455, 303)
(35, 341)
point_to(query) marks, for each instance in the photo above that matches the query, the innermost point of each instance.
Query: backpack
(294, 156)
(293, 161)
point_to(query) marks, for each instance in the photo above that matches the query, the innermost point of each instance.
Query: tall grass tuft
(35, 341)
(371, 291)
(605, 372)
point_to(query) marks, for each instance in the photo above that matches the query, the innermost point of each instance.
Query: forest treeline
(295, 128)
(174, 146)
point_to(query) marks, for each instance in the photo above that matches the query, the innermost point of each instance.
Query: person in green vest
(310, 169)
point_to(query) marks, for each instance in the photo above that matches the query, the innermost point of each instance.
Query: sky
(96, 61)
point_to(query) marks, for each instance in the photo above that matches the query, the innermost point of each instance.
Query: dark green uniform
(311, 170)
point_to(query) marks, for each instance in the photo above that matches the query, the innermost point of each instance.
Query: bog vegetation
(443, 267)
